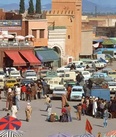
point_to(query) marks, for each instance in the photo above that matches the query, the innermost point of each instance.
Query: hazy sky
(26, 1)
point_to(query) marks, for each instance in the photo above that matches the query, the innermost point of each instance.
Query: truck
(103, 93)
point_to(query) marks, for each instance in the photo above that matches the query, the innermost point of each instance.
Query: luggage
(52, 118)
(64, 118)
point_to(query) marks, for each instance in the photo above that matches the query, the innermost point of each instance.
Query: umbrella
(8, 36)
(85, 135)
(29, 36)
(60, 135)
(19, 37)
(9, 122)
(111, 133)
(11, 133)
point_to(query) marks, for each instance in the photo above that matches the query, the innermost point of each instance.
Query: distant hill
(88, 6)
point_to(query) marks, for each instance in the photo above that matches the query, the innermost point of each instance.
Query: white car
(15, 74)
(31, 75)
(86, 75)
(112, 86)
(67, 68)
(59, 91)
(9, 69)
(77, 93)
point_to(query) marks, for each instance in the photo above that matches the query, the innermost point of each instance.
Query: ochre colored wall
(68, 13)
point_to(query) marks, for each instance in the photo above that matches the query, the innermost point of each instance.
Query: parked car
(10, 83)
(59, 91)
(15, 74)
(101, 75)
(112, 86)
(67, 68)
(54, 82)
(77, 93)
(86, 75)
(26, 81)
(9, 69)
(31, 75)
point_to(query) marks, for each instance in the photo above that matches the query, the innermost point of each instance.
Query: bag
(64, 118)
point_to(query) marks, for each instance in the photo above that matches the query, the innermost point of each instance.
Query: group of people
(25, 92)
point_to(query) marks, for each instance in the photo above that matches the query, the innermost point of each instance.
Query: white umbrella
(19, 37)
(85, 135)
(8, 36)
(11, 133)
(29, 36)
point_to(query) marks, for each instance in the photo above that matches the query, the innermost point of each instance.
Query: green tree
(21, 6)
(31, 7)
(38, 6)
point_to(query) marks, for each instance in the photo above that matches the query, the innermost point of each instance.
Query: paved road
(39, 127)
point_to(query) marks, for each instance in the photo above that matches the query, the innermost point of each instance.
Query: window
(68, 36)
(41, 33)
(34, 32)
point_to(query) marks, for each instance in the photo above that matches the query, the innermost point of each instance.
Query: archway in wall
(59, 53)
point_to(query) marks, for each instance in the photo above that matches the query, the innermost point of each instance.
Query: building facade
(67, 13)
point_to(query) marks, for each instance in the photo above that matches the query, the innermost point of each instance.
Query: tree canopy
(38, 6)
(31, 7)
(21, 6)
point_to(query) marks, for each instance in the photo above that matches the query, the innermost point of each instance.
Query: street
(38, 126)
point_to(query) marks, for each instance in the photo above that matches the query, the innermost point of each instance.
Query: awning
(30, 57)
(47, 55)
(14, 55)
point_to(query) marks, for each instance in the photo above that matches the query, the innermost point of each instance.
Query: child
(49, 109)
(47, 99)
(28, 112)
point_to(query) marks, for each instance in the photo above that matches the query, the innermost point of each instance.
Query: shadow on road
(42, 110)
(98, 125)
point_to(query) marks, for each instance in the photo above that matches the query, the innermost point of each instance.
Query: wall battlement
(58, 12)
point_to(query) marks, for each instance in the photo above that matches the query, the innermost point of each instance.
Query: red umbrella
(9, 122)
(111, 133)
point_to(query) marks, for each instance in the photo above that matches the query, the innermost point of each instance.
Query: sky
(26, 1)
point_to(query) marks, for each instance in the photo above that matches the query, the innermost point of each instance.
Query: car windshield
(30, 74)
(11, 81)
(15, 73)
(59, 89)
(77, 89)
(26, 81)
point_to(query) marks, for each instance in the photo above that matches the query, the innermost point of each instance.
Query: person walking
(28, 92)
(14, 110)
(17, 95)
(23, 91)
(28, 111)
(105, 117)
(95, 106)
(9, 99)
(79, 111)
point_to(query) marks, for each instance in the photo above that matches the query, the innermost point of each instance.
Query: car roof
(77, 87)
